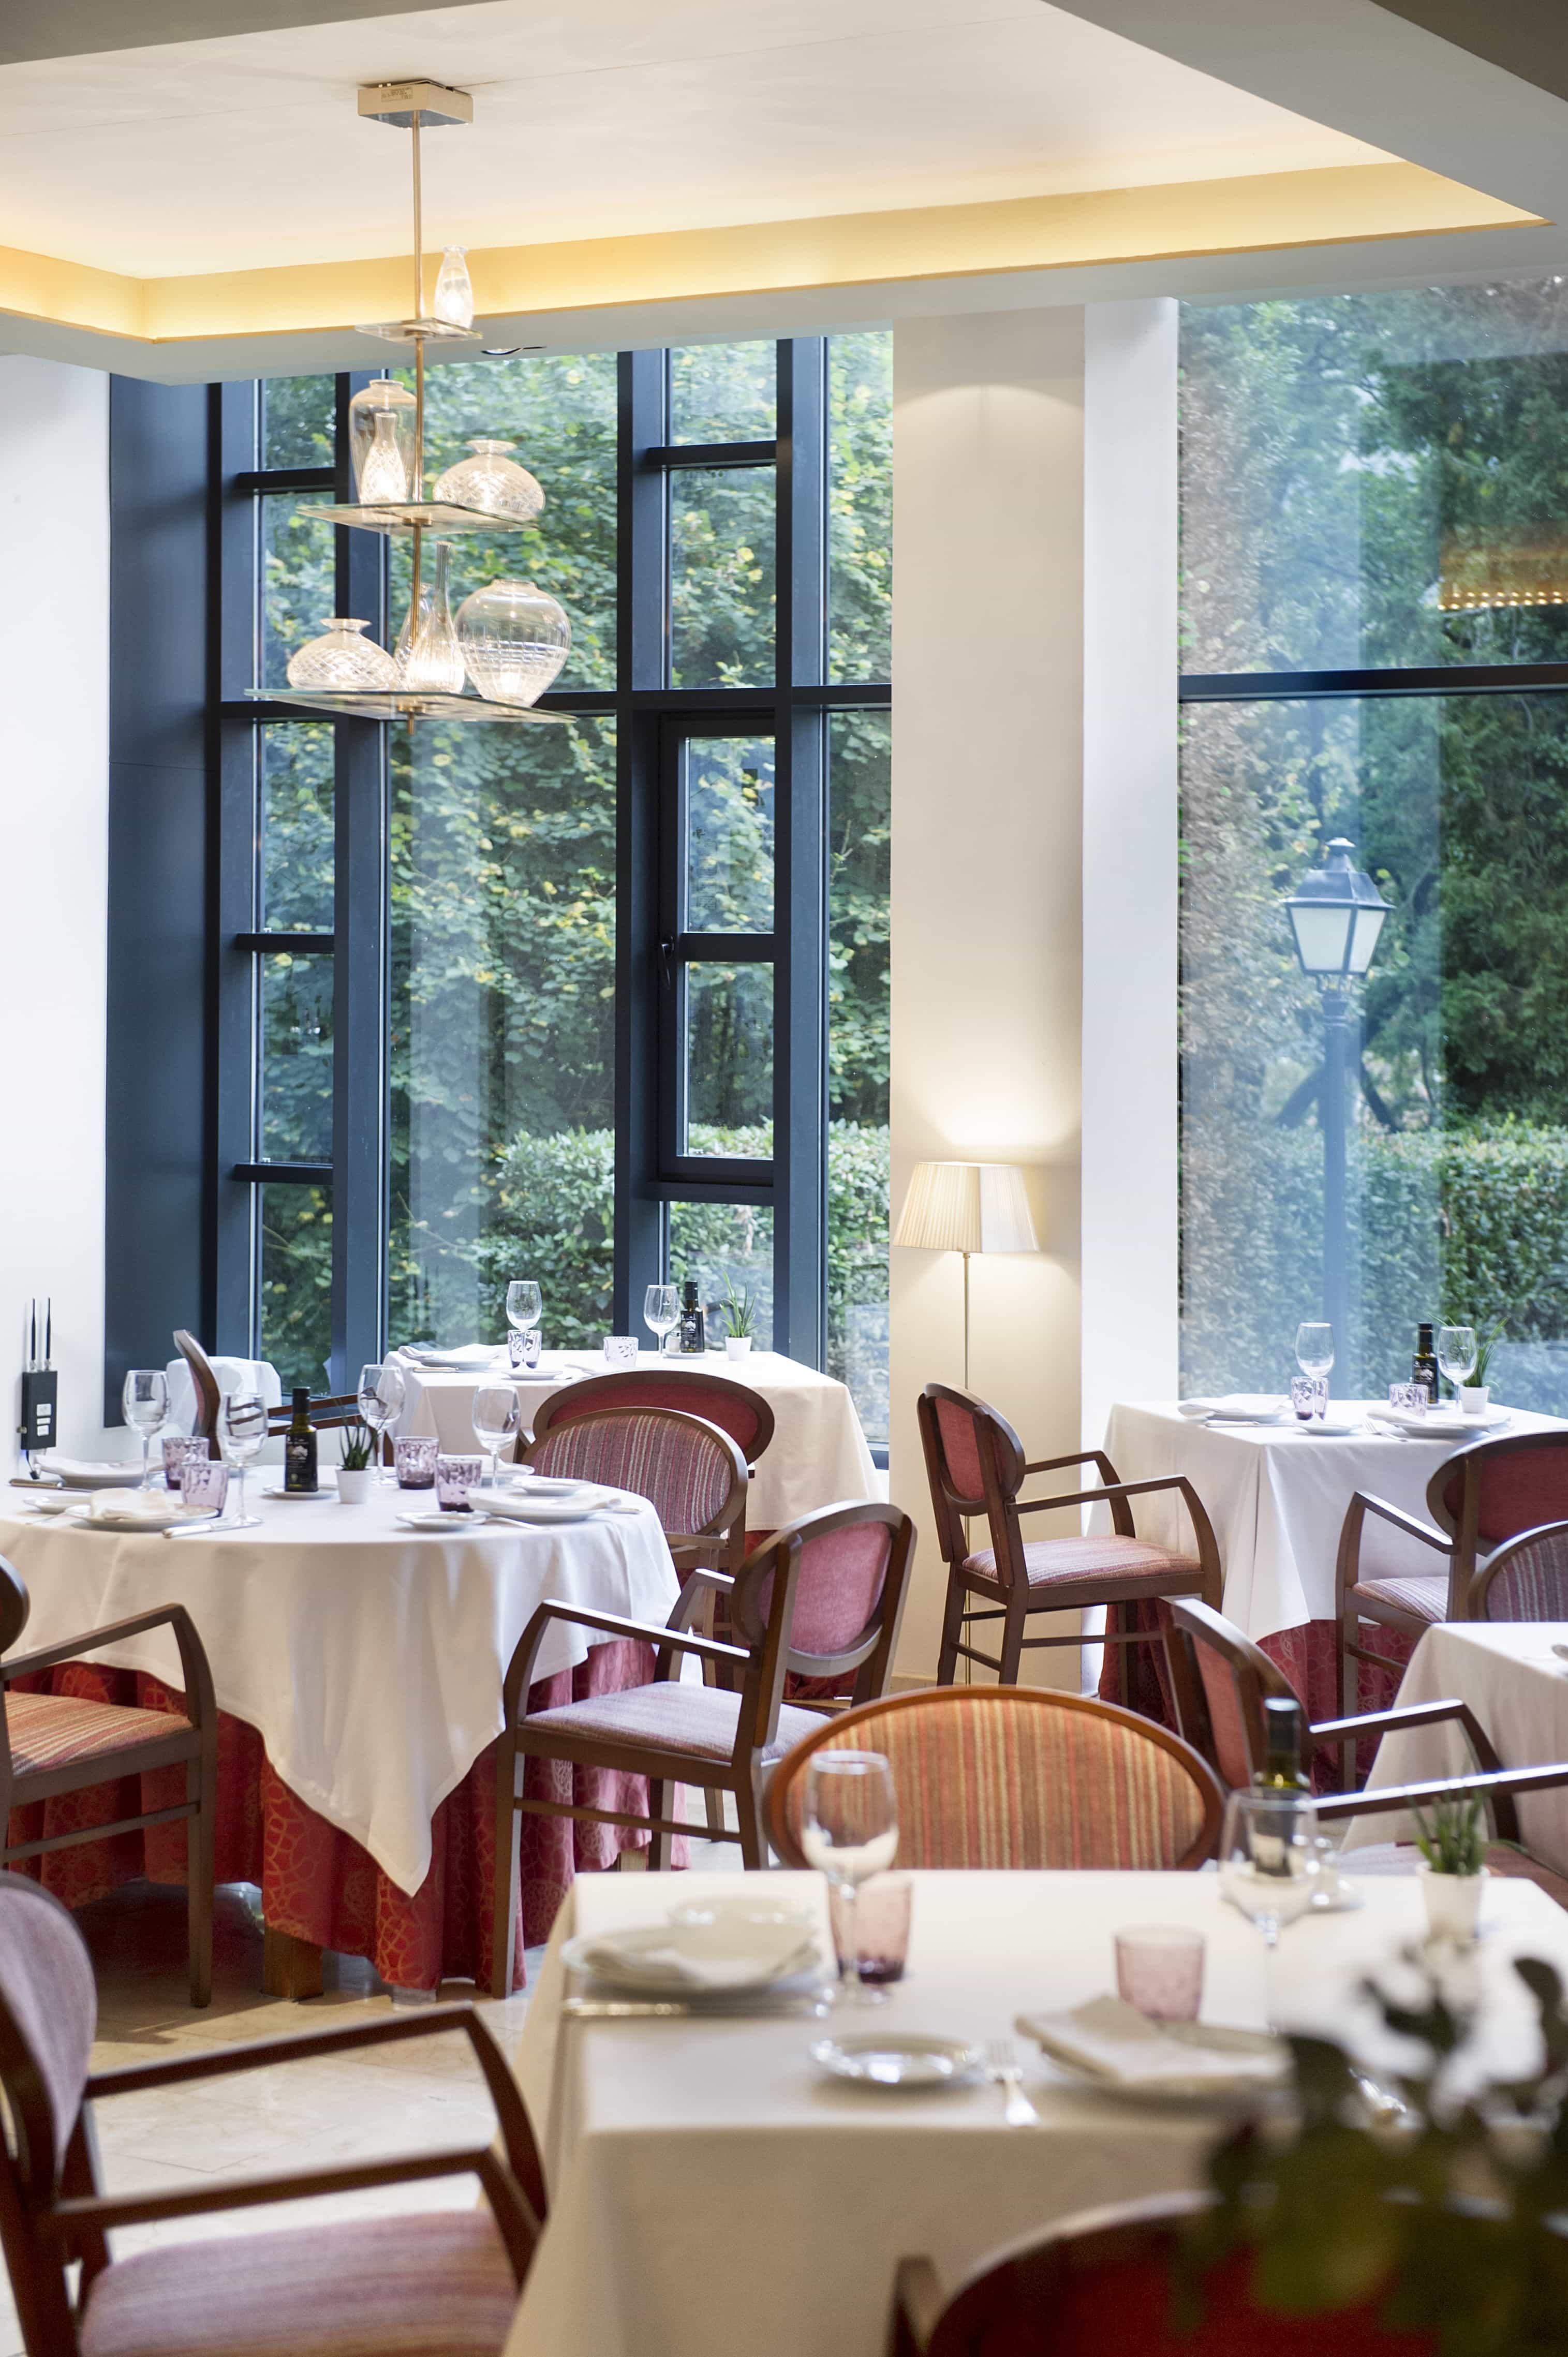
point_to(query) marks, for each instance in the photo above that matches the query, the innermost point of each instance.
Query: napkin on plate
(1112, 2040)
(131, 1506)
(729, 1953)
(1248, 1404)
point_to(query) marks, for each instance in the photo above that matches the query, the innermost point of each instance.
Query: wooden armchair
(744, 1414)
(692, 1474)
(442, 2282)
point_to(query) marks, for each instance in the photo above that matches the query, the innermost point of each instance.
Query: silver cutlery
(1002, 2070)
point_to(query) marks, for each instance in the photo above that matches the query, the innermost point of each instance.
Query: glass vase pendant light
(491, 480)
(513, 639)
(342, 661)
(453, 304)
(382, 429)
(429, 660)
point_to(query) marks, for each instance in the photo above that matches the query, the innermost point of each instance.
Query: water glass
(849, 1832)
(1457, 1353)
(880, 1930)
(454, 1477)
(524, 1305)
(1304, 1397)
(497, 1419)
(204, 1482)
(1268, 1857)
(383, 1392)
(661, 1312)
(143, 1402)
(178, 1448)
(1315, 1350)
(414, 1459)
(243, 1429)
(1159, 1969)
(620, 1350)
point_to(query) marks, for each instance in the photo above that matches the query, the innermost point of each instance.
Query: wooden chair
(51, 1744)
(975, 1464)
(1480, 1497)
(692, 1474)
(1019, 1777)
(1525, 1581)
(823, 1596)
(1103, 2281)
(744, 1414)
(444, 2283)
(208, 1397)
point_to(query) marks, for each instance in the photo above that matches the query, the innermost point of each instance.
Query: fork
(1002, 2070)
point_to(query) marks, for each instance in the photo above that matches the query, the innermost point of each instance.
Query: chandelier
(509, 639)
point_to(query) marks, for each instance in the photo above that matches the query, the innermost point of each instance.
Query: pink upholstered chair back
(849, 1568)
(974, 1464)
(744, 1414)
(1519, 1484)
(49, 2017)
(1527, 1579)
(1020, 1777)
(1221, 1681)
(693, 1476)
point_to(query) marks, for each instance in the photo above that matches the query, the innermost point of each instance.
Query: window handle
(666, 960)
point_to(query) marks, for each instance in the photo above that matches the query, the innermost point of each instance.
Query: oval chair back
(1220, 1681)
(1019, 1777)
(1494, 1490)
(691, 1474)
(48, 2017)
(829, 1590)
(744, 1414)
(208, 1393)
(974, 1463)
(1527, 1579)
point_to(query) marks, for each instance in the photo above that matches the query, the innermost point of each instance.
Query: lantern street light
(1336, 914)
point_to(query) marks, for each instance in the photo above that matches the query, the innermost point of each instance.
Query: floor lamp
(967, 1207)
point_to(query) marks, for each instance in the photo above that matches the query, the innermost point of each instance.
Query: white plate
(729, 1952)
(51, 1501)
(1330, 1427)
(896, 2059)
(518, 1507)
(439, 1518)
(1207, 2087)
(1440, 1424)
(277, 1489)
(166, 1518)
(86, 1473)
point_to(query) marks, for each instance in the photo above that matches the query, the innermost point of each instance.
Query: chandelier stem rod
(418, 226)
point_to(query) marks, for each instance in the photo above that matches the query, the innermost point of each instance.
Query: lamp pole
(1335, 1225)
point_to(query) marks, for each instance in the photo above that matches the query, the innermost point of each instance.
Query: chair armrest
(201, 1707)
(1107, 1471)
(1111, 1491)
(1502, 1783)
(1403, 1522)
(262, 2054)
(1409, 1713)
(917, 2305)
(650, 1632)
(108, 2211)
(697, 1584)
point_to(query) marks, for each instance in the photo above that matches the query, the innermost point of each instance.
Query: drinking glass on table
(497, 1418)
(1315, 1357)
(524, 1305)
(144, 1403)
(243, 1429)
(661, 1312)
(380, 1399)
(1456, 1353)
(849, 1832)
(1269, 1857)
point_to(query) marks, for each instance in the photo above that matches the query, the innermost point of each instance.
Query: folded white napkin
(1112, 2040)
(729, 1953)
(132, 1506)
(1243, 1403)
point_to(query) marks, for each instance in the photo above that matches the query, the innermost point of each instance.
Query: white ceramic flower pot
(1453, 1902)
(353, 1489)
(736, 1345)
(1473, 1398)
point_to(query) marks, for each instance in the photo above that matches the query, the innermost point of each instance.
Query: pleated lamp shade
(967, 1207)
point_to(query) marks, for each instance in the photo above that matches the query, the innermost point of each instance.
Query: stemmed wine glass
(498, 1417)
(1457, 1353)
(143, 1402)
(380, 1398)
(850, 1832)
(524, 1305)
(243, 1429)
(1269, 1857)
(1315, 1356)
(661, 1312)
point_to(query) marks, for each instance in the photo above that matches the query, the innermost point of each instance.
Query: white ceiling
(603, 117)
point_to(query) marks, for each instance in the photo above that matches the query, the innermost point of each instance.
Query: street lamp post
(1336, 916)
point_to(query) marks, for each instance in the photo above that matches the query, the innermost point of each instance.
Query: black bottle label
(300, 1461)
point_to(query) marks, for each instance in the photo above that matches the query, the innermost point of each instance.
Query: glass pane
(296, 1110)
(1375, 480)
(729, 835)
(560, 415)
(725, 1245)
(860, 748)
(859, 507)
(721, 577)
(502, 1029)
(295, 1283)
(1457, 1094)
(298, 579)
(723, 393)
(299, 423)
(297, 848)
(729, 1061)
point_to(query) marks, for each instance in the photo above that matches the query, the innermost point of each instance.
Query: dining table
(818, 1455)
(357, 1663)
(711, 2188)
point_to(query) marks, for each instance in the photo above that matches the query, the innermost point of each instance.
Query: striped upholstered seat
(1428, 1598)
(1049, 1563)
(53, 1730)
(1020, 1777)
(701, 1720)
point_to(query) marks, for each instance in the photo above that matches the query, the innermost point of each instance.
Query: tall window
(1375, 593)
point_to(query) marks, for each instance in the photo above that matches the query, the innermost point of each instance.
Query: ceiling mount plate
(405, 103)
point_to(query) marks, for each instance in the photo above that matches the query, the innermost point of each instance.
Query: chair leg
(714, 1799)
(1012, 1646)
(200, 1867)
(1347, 1632)
(508, 1869)
(952, 1631)
(753, 1840)
(659, 1797)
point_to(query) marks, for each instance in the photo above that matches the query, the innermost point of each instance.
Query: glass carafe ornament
(429, 660)
(491, 480)
(453, 292)
(380, 442)
(514, 638)
(342, 660)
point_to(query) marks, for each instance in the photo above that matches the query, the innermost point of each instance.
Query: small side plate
(868, 2060)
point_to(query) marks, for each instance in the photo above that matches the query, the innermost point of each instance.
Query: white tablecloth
(370, 1657)
(710, 2191)
(818, 1456)
(1518, 1688)
(1277, 1497)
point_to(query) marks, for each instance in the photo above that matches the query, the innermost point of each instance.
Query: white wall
(54, 823)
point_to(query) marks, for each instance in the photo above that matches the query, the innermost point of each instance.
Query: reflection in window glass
(296, 1108)
(502, 1027)
(295, 1283)
(859, 822)
(729, 835)
(859, 507)
(723, 393)
(298, 579)
(295, 832)
(299, 421)
(726, 1247)
(729, 1057)
(721, 577)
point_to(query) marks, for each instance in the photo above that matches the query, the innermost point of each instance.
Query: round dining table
(357, 1665)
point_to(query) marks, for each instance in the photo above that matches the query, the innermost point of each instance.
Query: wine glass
(144, 1403)
(380, 1399)
(661, 1312)
(850, 1832)
(1267, 1857)
(524, 1305)
(498, 1416)
(1315, 1356)
(242, 1429)
(1456, 1353)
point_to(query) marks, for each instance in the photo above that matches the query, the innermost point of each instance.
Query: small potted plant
(1475, 1397)
(739, 1310)
(356, 1473)
(1452, 1840)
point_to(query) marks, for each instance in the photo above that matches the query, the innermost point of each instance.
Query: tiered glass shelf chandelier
(508, 638)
